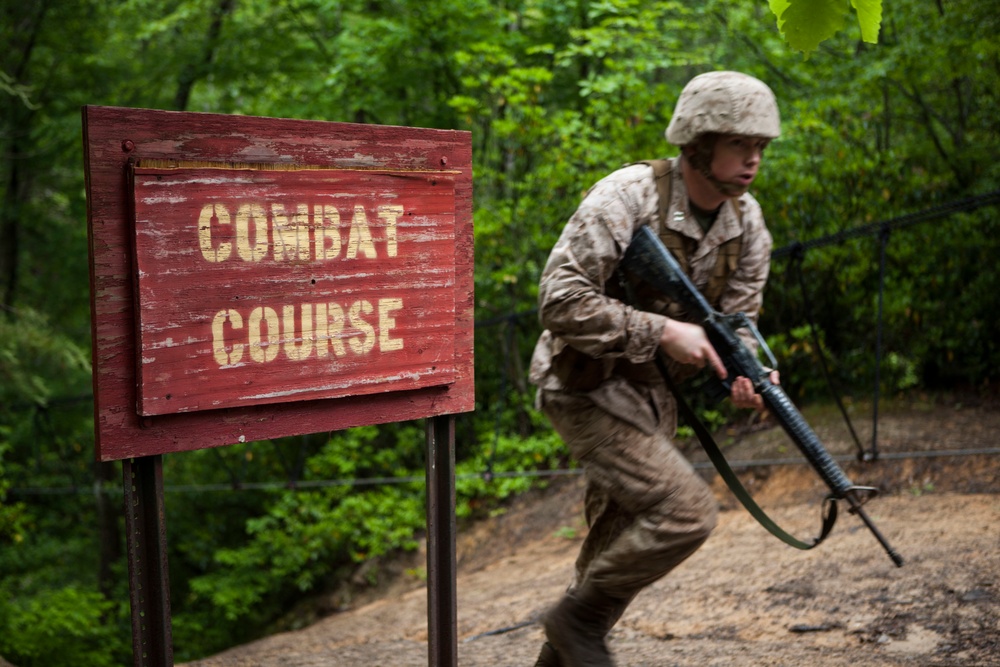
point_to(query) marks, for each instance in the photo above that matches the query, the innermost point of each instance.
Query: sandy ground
(744, 599)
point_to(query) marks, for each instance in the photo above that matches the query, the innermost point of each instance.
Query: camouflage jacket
(577, 312)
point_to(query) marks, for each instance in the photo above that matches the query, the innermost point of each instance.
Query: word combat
(248, 227)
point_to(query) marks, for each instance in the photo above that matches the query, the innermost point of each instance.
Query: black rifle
(649, 260)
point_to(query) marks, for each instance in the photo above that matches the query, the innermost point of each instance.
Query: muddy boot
(576, 627)
(615, 611)
(548, 657)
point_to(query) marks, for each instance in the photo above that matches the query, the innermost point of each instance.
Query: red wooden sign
(255, 278)
(272, 286)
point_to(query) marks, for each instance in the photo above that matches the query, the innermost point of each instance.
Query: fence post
(883, 237)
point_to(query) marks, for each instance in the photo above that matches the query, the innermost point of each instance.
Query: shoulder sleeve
(573, 304)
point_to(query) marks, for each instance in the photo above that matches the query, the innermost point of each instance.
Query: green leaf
(809, 22)
(778, 7)
(869, 18)
(806, 23)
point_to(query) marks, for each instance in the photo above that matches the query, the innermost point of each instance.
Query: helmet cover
(724, 103)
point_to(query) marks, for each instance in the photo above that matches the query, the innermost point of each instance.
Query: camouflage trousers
(646, 507)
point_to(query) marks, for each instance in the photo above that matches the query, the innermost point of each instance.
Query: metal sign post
(442, 617)
(148, 576)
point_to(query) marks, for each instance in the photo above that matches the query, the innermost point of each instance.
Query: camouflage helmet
(724, 103)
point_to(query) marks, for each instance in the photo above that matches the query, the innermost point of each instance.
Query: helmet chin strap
(727, 189)
(704, 168)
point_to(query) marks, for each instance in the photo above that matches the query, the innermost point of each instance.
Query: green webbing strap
(733, 482)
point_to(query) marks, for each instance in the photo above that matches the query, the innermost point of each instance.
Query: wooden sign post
(256, 278)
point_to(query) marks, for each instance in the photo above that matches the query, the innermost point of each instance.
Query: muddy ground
(744, 599)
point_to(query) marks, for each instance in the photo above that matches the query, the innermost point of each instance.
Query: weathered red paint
(343, 284)
(172, 371)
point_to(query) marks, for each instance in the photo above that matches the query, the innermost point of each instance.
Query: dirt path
(744, 599)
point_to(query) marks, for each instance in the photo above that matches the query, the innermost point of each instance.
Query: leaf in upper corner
(778, 7)
(869, 18)
(806, 23)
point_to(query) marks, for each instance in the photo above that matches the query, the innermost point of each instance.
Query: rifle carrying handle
(742, 321)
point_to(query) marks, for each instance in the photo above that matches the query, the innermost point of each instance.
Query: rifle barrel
(857, 509)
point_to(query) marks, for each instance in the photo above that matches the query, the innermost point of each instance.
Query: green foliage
(303, 537)
(556, 95)
(807, 23)
(60, 628)
(799, 361)
(12, 515)
(41, 373)
(481, 483)
(297, 539)
(37, 362)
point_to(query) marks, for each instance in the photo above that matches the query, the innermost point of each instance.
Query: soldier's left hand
(744, 396)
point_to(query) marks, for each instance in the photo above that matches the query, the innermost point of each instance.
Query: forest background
(556, 94)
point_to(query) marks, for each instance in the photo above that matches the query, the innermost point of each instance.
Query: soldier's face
(735, 162)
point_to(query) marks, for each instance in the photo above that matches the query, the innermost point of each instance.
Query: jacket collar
(728, 225)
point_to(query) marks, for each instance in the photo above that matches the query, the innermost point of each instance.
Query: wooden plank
(121, 142)
(267, 286)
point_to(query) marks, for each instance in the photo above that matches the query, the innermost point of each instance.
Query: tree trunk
(17, 128)
(195, 71)
(10, 231)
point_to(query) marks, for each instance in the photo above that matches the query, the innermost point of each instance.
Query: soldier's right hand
(688, 344)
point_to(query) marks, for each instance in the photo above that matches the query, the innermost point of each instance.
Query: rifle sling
(732, 481)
